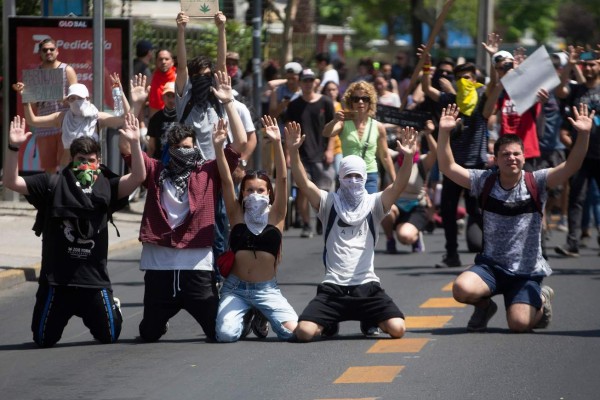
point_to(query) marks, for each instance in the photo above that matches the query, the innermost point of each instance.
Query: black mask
(201, 85)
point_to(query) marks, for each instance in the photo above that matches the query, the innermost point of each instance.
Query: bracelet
(12, 147)
(227, 101)
(426, 72)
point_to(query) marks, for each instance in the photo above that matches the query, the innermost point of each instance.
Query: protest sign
(392, 115)
(200, 8)
(43, 85)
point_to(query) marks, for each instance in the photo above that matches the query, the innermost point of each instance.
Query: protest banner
(43, 85)
(200, 8)
(404, 118)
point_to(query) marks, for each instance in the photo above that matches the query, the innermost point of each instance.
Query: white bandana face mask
(83, 108)
(352, 191)
(256, 214)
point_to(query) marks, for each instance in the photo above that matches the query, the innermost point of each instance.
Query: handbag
(225, 263)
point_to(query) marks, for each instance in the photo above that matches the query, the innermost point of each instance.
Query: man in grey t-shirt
(511, 262)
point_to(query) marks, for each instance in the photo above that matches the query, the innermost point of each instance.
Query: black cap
(143, 47)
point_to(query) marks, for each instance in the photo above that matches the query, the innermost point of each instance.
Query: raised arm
(583, 123)
(432, 144)
(131, 133)
(429, 90)
(293, 141)
(407, 145)
(220, 20)
(114, 77)
(448, 166)
(562, 91)
(182, 71)
(335, 126)
(138, 92)
(233, 208)
(17, 136)
(279, 208)
(224, 93)
(53, 120)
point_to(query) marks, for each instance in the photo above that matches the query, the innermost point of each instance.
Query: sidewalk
(20, 249)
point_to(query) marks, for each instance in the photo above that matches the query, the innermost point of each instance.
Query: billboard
(74, 40)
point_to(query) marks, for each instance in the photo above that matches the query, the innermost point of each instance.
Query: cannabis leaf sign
(205, 8)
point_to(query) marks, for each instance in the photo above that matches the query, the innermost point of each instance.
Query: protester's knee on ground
(306, 331)
(394, 327)
(45, 342)
(150, 335)
(460, 291)
(519, 325)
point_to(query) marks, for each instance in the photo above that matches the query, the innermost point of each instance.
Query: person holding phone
(360, 133)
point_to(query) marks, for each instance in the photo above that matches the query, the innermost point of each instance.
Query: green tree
(514, 17)
(579, 22)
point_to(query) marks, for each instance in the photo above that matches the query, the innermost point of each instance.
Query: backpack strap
(41, 218)
(331, 220)
(487, 188)
(186, 111)
(531, 185)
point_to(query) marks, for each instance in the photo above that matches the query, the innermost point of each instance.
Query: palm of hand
(272, 132)
(17, 135)
(138, 93)
(583, 123)
(447, 122)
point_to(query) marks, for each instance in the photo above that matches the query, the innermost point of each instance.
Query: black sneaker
(481, 317)
(330, 331)
(566, 251)
(319, 227)
(449, 261)
(390, 246)
(247, 323)
(370, 330)
(260, 325)
(306, 231)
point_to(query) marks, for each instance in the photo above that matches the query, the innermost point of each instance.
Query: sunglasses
(356, 99)
(48, 49)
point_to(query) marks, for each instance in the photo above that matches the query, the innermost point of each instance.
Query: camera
(508, 66)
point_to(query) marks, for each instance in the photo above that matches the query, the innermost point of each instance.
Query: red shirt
(159, 79)
(197, 230)
(523, 126)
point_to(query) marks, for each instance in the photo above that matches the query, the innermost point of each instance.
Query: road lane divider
(371, 374)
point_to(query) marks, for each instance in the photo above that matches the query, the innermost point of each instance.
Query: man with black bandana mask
(177, 230)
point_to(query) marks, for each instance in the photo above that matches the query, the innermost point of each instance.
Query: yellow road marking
(377, 374)
(435, 321)
(407, 345)
(442, 302)
(448, 287)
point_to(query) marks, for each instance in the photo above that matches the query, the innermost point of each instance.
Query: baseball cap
(143, 47)
(78, 89)
(562, 58)
(232, 55)
(307, 74)
(293, 67)
(501, 56)
(168, 87)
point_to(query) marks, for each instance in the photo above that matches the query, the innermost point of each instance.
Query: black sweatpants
(55, 305)
(167, 292)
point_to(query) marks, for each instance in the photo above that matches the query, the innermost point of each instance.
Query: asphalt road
(437, 359)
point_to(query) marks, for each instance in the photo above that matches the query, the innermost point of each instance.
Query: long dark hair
(252, 174)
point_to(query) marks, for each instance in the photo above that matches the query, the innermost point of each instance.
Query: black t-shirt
(158, 126)
(312, 117)
(580, 93)
(74, 238)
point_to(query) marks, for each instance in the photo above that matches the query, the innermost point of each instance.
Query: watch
(242, 163)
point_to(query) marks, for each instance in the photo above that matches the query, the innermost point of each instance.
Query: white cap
(78, 89)
(294, 67)
(501, 56)
(563, 58)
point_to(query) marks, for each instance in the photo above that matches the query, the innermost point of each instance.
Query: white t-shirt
(350, 249)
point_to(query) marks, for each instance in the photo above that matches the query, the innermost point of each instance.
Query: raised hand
(520, 56)
(407, 143)
(293, 135)
(543, 96)
(220, 19)
(182, 20)
(271, 128)
(223, 87)
(17, 135)
(18, 87)
(429, 127)
(138, 89)
(114, 77)
(583, 119)
(493, 43)
(424, 54)
(449, 118)
(220, 133)
(131, 128)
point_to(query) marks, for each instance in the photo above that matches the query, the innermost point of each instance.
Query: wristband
(227, 101)
(13, 148)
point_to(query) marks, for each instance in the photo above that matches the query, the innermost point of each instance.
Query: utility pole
(257, 74)
(485, 24)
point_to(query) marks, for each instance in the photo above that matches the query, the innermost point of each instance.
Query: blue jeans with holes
(238, 296)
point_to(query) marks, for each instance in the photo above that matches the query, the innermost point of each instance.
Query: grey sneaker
(419, 245)
(370, 330)
(117, 305)
(247, 323)
(260, 325)
(548, 294)
(481, 317)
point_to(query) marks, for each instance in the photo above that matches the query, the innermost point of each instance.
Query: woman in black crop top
(257, 219)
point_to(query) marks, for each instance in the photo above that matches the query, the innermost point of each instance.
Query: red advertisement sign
(74, 40)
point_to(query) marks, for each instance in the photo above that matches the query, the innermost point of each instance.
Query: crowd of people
(188, 138)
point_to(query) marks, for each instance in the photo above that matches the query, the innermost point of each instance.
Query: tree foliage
(514, 17)
(579, 22)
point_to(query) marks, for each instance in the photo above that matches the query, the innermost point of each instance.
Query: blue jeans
(238, 296)
(371, 184)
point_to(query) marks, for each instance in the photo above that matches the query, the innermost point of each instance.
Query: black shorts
(417, 217)
(334, 303)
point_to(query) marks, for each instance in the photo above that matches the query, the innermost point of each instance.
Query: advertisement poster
(74, 40)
